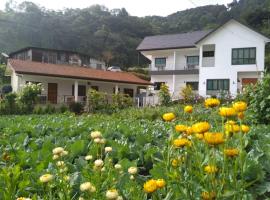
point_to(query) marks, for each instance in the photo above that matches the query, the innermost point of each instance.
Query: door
(248, 81)
(52, 93)
(129, 92)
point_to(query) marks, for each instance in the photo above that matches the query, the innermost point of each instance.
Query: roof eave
(79, 77)
(167, 48)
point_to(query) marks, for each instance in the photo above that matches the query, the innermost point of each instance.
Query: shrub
(6, 89)
(76, 107)
(187, 94)
(259, 100)
(63, 108)
(38, 110)
(28, 96)
(164, 95)
(96, 100)
(8, 104)
(121, 101)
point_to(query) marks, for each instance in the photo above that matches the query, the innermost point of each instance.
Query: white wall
(232, 35)
(180, 60)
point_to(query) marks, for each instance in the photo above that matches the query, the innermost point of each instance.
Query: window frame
(245, 61)
(193, 57)
(191, 84)
(208, 54)
(218, 85)
(160, 65)
(158, 84)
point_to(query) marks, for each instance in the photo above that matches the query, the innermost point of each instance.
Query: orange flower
(189, 130)
(241, 115)
(231, 152)
(240, 106)
(214, 138)
(208, 195)
(200, 127)
(181, 142)
(188, 109)
(227, 112)
(245, 128)
(210, 169)
(211, 102)
(168, 117)
(180, 128)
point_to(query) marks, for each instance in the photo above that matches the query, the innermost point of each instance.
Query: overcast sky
(134, 7)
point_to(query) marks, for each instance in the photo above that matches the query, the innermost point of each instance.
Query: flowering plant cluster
(191, 152)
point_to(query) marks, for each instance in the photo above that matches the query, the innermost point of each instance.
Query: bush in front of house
(258, 96)
(28, 96)
(97, 101)
(8, 104)
(164, 95)
(121, 101)
(76, 107)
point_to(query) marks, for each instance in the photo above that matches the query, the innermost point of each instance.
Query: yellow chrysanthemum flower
(245, 128)
(189, 130)
(199, 136)
(150, 186)
(208, 195)
(232, 128)
(231, 152)
(188, 109)
(210, 169)
(175, 162)
(181, 128)
(201, 127)
(227, 112)
(181, 142)
(160, 183)
(240, 106)
(241, 115)
(211, 102)
(168, 117)
(214, 138)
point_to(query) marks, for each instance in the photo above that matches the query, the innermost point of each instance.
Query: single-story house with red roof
(64, 83)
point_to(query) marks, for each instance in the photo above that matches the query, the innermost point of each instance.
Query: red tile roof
(76, 72)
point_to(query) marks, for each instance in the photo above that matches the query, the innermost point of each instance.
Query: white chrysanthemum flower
(88, 157)
(60, 164)
(132, 170)
(118, 166)
(108, 149)
(95, 134)
(46, 178)
(112, 194)
(97, 140)
(55, 157)
(58, 150)
(98, 163)
(85, 186)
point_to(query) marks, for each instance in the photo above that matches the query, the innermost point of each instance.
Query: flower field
(207, 152)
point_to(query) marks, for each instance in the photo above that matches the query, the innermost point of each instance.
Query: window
(129, 92)
(194, 85)
(94, 87)
(157, 85)
(218, 84)
(244, 56)
(192, 60)
(160, 62)
(99, 66)
(81, 90)
(209, 54)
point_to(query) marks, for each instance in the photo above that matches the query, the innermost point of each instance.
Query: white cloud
(134, 7)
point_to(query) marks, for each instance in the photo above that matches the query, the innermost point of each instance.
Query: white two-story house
(221, 60)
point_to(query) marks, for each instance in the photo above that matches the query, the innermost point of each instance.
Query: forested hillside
(113, 35)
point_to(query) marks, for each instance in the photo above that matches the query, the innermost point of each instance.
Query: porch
(58, 90)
